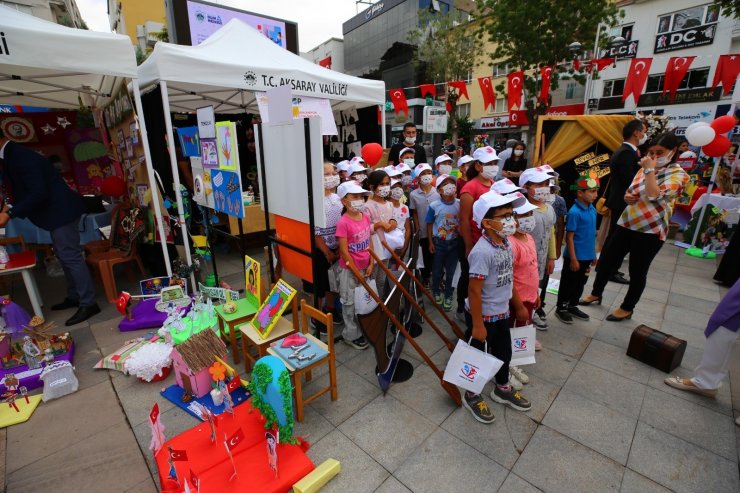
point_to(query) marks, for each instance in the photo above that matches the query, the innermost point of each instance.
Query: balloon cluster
(710, 136)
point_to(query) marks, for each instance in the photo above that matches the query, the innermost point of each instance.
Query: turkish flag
(545, 72)
(462, 88)
(233, 384)
(600, 63)
(728, 68)
(194, 479)
(398, 98)
(154, 413)
(486, 89)
(636, 78)
(427, 89)
(178, 455)
(515, 88)
(675, 71)
(577, 65)
(235, 439)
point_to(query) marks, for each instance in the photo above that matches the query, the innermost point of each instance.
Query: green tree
(446, 51)
(730, 8)
(537, 33)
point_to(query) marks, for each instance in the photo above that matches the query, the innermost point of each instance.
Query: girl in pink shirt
(381, 214)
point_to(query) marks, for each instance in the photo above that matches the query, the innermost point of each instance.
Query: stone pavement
(600, 421)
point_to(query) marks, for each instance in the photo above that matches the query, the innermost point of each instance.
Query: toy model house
(192, 358)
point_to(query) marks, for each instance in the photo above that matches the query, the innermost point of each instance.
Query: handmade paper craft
(189, 142)
(157, 428)
(129, 148)
(206, 120)
(252, 274)
(208, 153)
(174, 295)
(141, 190)
(227, 193)
(272, 442)
(227, 150)
(134, 133)
(354, 149)
(272, 309)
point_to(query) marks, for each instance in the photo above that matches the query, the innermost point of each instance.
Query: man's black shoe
(619, 278)
(67, 303)
(82, 314)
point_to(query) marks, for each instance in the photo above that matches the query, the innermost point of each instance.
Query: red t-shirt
(475, 188)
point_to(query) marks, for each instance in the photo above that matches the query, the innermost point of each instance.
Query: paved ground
(600, 420)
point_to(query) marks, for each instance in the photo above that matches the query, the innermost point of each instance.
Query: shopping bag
(420, 259)
(364, 303)
(470, 368)
(378, 247)
(394, 239)
(522, 345)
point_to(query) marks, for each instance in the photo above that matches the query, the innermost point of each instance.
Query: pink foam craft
(294, 340)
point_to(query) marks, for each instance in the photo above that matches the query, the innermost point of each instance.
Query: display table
(88, 228)
(723, 202)
(244, 311)
(24, 262)
(253, 221)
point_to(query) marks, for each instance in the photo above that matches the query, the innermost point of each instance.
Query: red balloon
(718, 147)
(113, 186)
(723, 124)
(372, 153)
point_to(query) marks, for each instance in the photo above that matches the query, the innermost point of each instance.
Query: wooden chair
(307, 313)
(250, 337)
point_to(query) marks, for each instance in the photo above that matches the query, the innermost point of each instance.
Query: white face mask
(406, 180)
(331, 182)
(518, 152)
(542, 194)
(526, 224)
(444, 169)
(550, 198)
(383, 191)
(489, 172)
(357, 205)
(642, 140)
(426, 179)
(664, 160)
(508, 227)
(409, 162)
(360, 178)
(397, 193)
(410, 140)
(449, 189)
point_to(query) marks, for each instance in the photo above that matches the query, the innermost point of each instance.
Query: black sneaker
(576, 312)
(478, 408)
(511, 398)
(564, 315)
(359, 343)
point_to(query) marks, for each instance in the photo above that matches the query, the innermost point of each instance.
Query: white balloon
(701, 135)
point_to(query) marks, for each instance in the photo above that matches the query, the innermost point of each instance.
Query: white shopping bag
(420, 259)
(364, 303)
(470, 368)
(522, 345)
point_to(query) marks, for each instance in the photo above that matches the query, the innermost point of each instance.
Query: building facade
(329, 54)
(661, 29)
(140, 20)
(63, 12)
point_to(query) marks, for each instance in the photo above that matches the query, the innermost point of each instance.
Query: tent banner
(304, 107)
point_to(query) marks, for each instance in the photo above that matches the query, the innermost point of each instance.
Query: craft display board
(252, 280)
(228, 151)
(273, 307)
(227, 192)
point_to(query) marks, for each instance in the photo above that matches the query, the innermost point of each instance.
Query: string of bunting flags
(727, 71)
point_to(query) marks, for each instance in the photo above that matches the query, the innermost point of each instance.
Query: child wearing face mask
(419, 201)
(536, 181)
(357, 171)
(381, 214)
(491, 289)
(353, 233)
(342, 169)
(402, 215)
(462, 166)
(580, 252)
(443, 165)
(515, 164)
(442, 228)
(326, 253)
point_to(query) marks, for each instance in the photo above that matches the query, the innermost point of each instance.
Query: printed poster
(252, 285)
(227, 192)
(272, 309)
(228, 154)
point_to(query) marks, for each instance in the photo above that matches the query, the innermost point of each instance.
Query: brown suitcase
(656, 348)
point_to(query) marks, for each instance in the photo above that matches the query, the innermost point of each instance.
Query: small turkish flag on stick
(177, 455)
(230, 443)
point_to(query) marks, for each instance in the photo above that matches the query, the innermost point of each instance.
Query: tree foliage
(531, 34)
(730, 8)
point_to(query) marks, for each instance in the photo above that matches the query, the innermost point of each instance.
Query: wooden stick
(459, 333)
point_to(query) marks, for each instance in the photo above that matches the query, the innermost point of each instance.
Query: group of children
(505, 236)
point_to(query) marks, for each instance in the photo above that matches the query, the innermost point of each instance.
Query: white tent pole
(382, 125)
(176, 176)
(150, 172)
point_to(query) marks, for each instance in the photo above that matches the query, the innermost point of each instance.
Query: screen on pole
(195, 21)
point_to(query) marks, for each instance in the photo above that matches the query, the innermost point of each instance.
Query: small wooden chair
(250, 336)
(308, 312)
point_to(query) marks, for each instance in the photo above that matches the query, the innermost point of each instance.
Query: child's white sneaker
(519, 374)
(515, 383)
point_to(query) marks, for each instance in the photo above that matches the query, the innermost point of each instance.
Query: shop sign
(493, 123)
(627, 50)
(701, 95)
(519, 118)
(681, 118)
(375, 9)
(685, 38)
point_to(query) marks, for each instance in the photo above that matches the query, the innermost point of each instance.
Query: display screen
(195, 21)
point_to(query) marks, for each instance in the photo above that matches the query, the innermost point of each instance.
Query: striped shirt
(651, 214)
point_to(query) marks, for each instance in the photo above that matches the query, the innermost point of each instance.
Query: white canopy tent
(229, 67)
(46, 64)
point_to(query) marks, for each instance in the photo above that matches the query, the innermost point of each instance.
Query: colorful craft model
(20, 405)
(273, 307)
(13, 318)
(59, 380)
(272, 394)
(192, 359)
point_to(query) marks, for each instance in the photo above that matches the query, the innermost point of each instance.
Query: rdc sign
(685, 38)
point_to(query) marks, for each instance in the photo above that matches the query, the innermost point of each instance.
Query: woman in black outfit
(515, 164)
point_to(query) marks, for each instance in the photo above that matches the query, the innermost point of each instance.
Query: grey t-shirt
(419, 202)
(544, 219)
(495, 265)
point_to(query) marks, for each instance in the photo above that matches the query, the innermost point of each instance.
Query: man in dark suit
(38, 192)
(623, 166)
(409, 140)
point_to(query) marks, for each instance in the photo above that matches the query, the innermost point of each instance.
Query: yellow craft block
(10, 417)
(317, 478)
